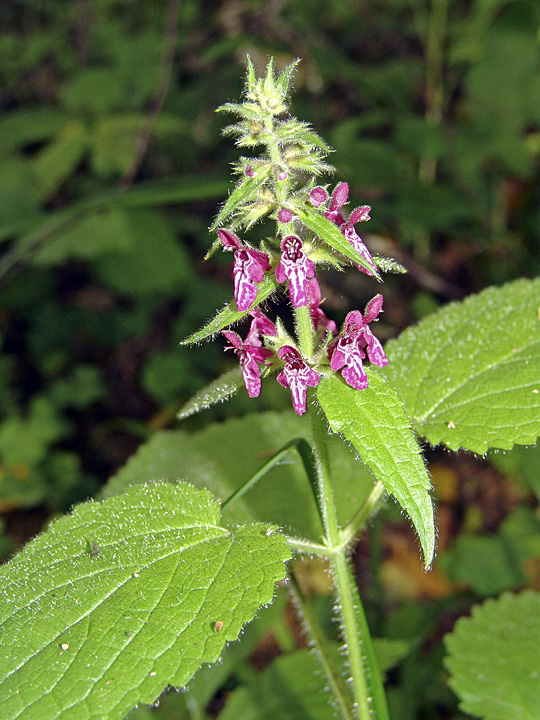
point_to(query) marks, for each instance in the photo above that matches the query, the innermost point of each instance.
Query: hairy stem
(304, 329)
(324, 652)
(366, 682)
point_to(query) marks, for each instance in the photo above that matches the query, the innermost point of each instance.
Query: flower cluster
(310, 231)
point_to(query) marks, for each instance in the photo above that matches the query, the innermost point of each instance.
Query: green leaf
(217, 391)
(91, 236)
(494, 658)
(57, 161)
(221, 459)
(229, 315)
(242, 193)
(121, 598)
(470, 373)
(330, 234)
(160, 263)
(115, 139)
(374, 421)
(485, 563)
(292, 688)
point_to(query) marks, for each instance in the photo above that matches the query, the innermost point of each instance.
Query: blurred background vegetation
(111, 168)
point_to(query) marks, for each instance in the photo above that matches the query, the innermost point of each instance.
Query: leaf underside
(374, 421)
(121, 598)
(470, 373)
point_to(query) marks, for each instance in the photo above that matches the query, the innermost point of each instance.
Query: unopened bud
(318, 196)
(285, 215)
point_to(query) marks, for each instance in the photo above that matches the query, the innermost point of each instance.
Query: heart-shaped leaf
(126, 596)
(470, 373)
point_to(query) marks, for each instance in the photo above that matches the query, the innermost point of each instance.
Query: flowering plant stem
(366, 681)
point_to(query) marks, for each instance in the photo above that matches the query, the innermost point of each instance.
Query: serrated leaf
(230, 315)
(330, 234)
(121, 598)
(210, 458)
(242, 193)
(494, 658)
(470, 373)
(217, 391)
(374, 421)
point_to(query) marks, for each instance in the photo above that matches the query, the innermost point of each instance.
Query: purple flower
(297, 376)
(249, 267)
(260, 325)
(318, 318)
(249, 356)
(360, 214)
(348, 350)
(337, 200)
(295, 267)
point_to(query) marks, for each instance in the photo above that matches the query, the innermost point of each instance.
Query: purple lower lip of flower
(249, 266)
(295, 267)
(249, 356)
(347, 356)
(297, 375)
(349, 349)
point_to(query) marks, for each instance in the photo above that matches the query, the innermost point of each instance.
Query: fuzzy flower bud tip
(297, 376)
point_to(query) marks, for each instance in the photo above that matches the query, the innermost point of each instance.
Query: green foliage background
(433, 109)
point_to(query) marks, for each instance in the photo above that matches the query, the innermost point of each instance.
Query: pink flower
(318, 318)
(348, 350)
(337, 201)
(249, 356)
(249, 267)
(297, 376)
(295, 267)
(360, 214)
(260, 325)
